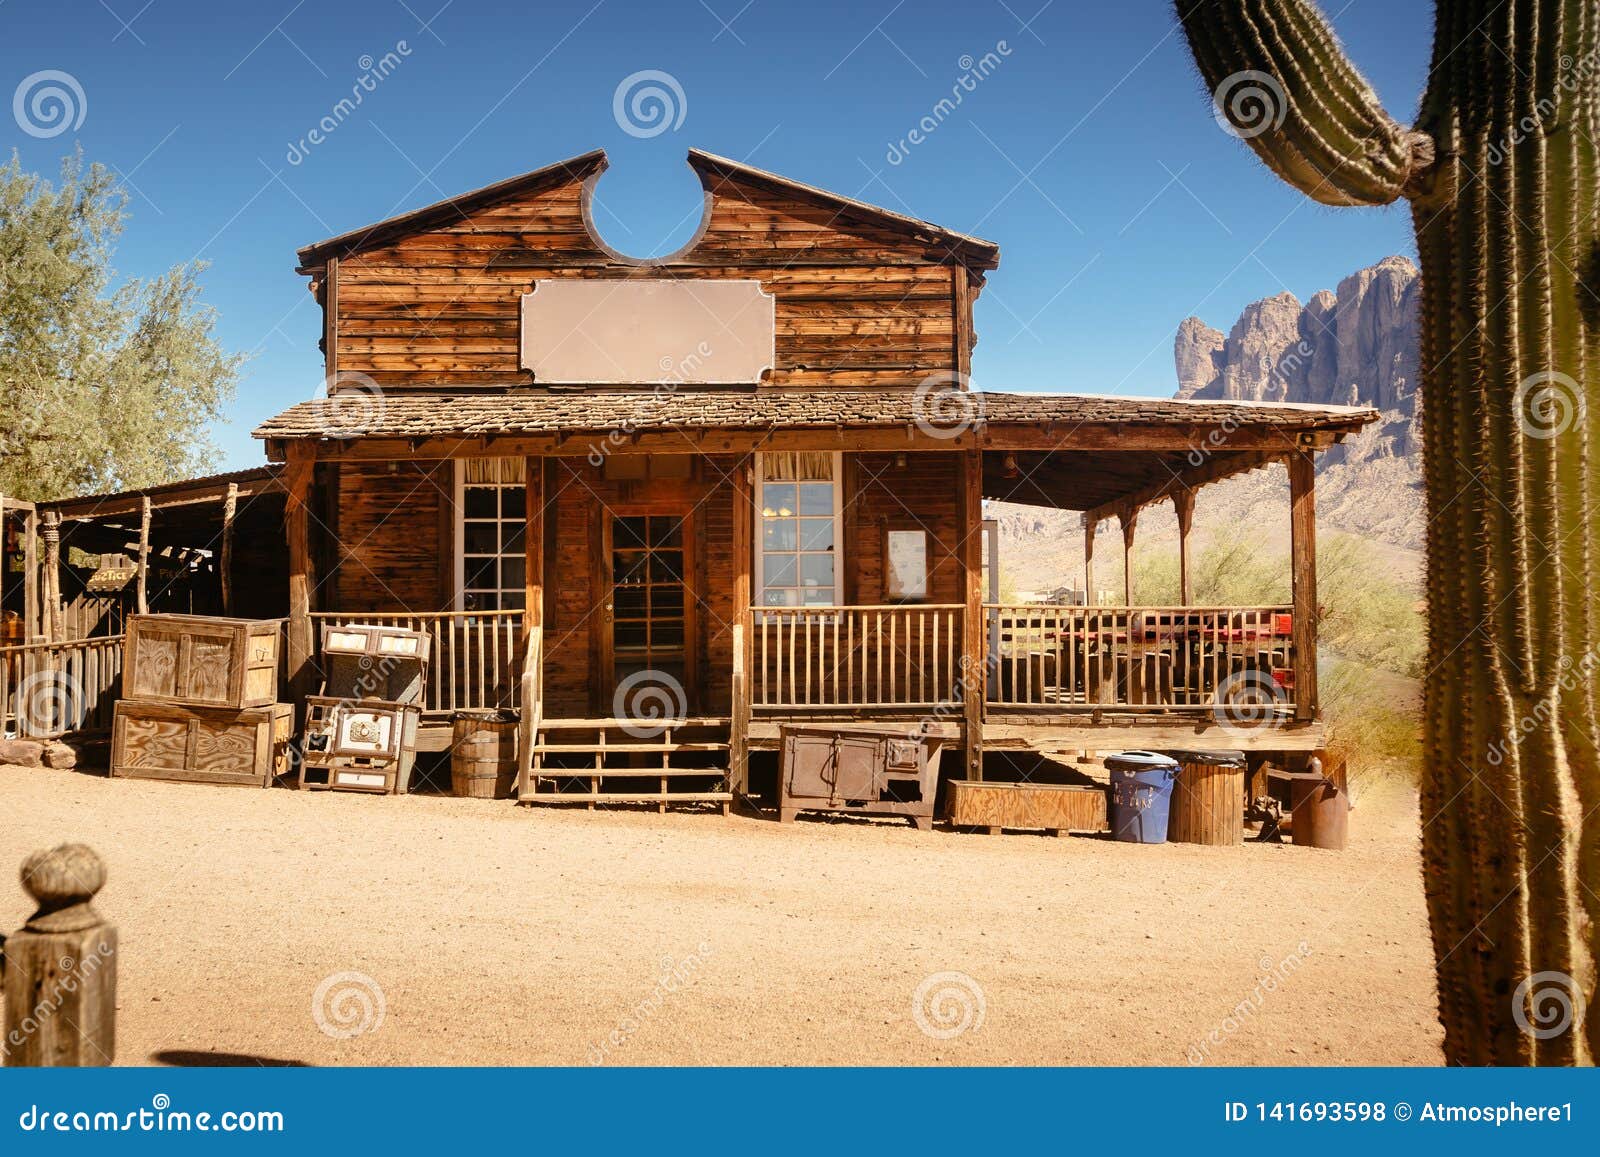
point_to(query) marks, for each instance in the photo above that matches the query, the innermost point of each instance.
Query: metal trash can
(1208, 798)
(1141, 792)
(1320, 806)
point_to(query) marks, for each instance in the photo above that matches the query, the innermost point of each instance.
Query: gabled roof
(973, 251)
(451, 208)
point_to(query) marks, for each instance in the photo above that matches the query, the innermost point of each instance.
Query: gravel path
(500, 935)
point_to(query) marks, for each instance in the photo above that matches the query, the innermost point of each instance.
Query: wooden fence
(474, 660)
(869, 656)
(51, 689)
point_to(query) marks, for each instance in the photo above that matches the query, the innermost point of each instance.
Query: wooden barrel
(1208, 798)
(483, 755)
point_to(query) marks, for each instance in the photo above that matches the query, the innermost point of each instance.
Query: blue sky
(1088, 152)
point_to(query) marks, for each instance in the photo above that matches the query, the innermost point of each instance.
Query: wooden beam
(330, 324)
(1090, 525)
(32, 617)
(974, 651)
(301, 642)
(1183, 506)
(961, 312)
(1303, 564)
(143, 588)
(744, 515)
(50, 575)
(230, 508)
(1129, 519)
(532, 685)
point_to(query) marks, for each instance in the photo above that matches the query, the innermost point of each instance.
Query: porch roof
(948, 417)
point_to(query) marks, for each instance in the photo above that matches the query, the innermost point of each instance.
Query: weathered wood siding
(857, 305)
(394, 542)
(924, 492)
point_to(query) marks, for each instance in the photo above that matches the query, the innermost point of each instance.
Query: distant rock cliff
(1357, 345)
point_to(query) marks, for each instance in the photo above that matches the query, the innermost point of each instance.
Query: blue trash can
(1141, 792)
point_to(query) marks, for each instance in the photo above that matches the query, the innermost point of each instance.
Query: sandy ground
(500, 935)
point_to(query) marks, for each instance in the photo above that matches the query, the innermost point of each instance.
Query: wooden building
(660, 507)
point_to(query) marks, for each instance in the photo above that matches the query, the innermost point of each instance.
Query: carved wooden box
(197, 661)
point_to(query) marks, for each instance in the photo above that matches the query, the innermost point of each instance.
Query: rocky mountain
(1356, 344)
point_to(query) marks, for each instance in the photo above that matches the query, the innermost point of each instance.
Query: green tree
(104, 383)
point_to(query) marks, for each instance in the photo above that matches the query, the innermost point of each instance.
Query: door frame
(604, 632)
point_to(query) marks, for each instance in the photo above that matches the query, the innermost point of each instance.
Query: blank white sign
(636, 332)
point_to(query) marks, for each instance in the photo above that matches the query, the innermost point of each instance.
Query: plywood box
(1050, 807)
(202, 745)
(198, 661)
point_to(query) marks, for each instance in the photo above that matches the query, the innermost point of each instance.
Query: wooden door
(647, 644)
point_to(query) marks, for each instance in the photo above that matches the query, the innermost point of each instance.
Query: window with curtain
(491, 516)
(797, 559)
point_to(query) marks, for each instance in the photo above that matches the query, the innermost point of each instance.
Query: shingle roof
(412, 415)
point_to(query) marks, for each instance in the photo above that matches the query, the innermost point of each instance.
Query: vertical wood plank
(1129, 520)
(1183, 506)
(50, 576)
(1303, 564)
(970, 550)
(532, 682)
(143, 588)
(230, 508)
(299, 470)
(743, 557)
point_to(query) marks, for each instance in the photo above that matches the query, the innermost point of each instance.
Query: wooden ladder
(571, 761)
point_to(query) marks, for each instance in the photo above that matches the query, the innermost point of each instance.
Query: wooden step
(629, 797)
(622, 748)
(622, 724)
(624, 772)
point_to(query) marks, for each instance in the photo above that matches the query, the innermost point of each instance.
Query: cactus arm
(1316, 122)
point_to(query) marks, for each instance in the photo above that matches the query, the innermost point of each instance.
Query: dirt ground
(492, 934)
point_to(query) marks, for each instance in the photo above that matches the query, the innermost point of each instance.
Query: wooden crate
(1050, 807)
(202, 745)
(197, 661)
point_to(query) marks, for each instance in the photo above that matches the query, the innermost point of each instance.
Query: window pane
(514, 503)
(667, 600)
(778, 570)
(666, 531)
(511, 572)
(816, 570)
(511, 537)
(479, 538)
(778, 597)
(630, 566)
(666, 566)
(630, 602)
(778, 499)
(816, 534)
(818, 598)
(778, 534)
(480, 574)
(817, 498)
(627, 532)
(513, 601)
(479, 502)
(481, 601)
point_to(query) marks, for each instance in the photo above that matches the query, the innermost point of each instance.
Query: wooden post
(1183, 506)
(144, 556)
(330, 324)
(32, 617)
(532, 685)
(973, 643)
(230, 507)
(1089, 527)
(50, 576)
(744, 514)
(61, 967)
(1303, 564)
(299, 469)
(1129, 519)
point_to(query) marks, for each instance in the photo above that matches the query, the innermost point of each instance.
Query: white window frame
(759, 591)
(459, 497)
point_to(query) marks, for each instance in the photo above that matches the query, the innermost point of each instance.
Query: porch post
(143, 587)
(1303, 564)
(973, 649)
(743, 551)
(1089, 527)
(50, 586)
(299, 470)
(532, 682)
(230, 507)
(1129, 519)
(1183, 505)
(31, 628)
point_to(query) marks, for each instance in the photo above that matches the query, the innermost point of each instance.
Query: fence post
(61, 967)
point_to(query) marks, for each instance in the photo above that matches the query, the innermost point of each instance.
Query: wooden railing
(52, 689)
(1191, 659)
(872, 656)
(474, 662)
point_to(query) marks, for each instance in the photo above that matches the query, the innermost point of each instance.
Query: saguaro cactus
(1501, 172)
